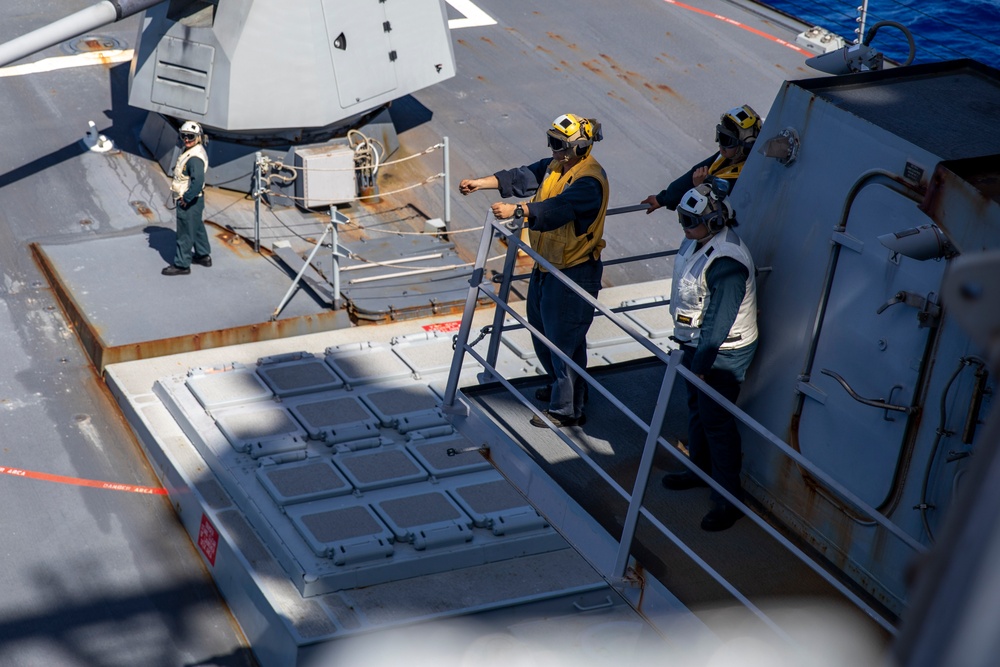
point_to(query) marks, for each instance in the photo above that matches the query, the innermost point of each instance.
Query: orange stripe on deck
(730, 21)
(76, 481)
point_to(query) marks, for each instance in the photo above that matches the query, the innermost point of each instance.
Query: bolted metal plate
(90, 42)
(431, 355)
(360, 365)
(323, 416)
(450, 456)
(226, 386)
(421, 512)
(393, 404)
(303, 481)
(380, 468)
(298, 375)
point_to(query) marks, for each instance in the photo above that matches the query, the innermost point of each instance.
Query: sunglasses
(189, 137)
(725, 138)
(557, 144)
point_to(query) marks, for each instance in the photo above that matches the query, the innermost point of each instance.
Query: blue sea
(942, 29)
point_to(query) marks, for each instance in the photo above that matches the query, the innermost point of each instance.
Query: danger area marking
(77, 481)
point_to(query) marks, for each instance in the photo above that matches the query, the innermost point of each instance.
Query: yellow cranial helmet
(572, 131)
(738, 128)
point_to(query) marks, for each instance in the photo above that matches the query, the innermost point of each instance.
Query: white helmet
(191, 127)
(705, 204)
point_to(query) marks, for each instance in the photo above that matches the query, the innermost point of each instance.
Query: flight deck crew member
(736, 134)
(565, 222)
(188, 191)
(713, 302)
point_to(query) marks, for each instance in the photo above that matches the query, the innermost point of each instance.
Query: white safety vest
(689, 293)
(182, 181)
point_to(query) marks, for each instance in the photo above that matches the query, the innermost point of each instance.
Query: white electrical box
(820, 40)
(326, 175)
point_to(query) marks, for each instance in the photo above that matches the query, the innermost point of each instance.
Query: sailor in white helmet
(713, 301)
(188, 190)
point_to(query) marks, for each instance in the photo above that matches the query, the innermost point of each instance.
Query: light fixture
(920, 243)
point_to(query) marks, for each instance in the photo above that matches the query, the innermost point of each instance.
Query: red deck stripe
(730, 21)
(76, 481)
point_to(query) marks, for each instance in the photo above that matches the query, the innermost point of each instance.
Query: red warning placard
(444, 327)
(208, 539)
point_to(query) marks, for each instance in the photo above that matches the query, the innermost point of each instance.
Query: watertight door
(880, 355)
(364, 61)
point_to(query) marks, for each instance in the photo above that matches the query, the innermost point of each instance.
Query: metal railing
(671, 360)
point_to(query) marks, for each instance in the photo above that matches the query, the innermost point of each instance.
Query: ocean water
(942, 29)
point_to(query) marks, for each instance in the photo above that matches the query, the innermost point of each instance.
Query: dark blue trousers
(563, 318)
(714, 442)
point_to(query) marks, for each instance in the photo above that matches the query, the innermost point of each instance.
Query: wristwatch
(518, 212)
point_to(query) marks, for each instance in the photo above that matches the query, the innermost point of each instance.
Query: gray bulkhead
(834, 301)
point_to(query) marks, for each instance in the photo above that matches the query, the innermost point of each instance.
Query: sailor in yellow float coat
(565, 222)
(736, 133)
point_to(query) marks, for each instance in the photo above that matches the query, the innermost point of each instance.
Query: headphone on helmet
(568, 125)
(738, 128)
(707, 204)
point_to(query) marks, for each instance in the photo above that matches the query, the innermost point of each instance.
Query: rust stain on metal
(142, 209)
(487, 40)
(592, 66)
(542, 49)
(556, 37)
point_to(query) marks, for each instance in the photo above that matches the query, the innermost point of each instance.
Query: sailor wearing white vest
(713, 302)
(188, 190)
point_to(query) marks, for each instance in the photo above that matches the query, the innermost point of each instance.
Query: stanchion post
(256, 201)
(447, 186)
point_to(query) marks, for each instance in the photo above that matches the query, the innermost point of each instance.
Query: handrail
(480, 286)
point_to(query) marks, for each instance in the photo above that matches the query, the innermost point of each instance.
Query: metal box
(326, 175)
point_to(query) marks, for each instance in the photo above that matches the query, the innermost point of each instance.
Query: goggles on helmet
(725, 137)
(186, 136)
(689, 221)
(692, 209)
(557, 144)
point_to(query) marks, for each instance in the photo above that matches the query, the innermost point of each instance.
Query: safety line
(85, 59)
(759, 33)
(77, 481)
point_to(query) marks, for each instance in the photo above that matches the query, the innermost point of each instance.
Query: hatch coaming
(828, 303)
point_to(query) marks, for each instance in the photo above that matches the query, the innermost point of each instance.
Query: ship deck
(109, 575)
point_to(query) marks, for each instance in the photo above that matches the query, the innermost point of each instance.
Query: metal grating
(300, 482)
(380, 468)
(226, 386)
(452, 456)
(299, 376)
(367, 364)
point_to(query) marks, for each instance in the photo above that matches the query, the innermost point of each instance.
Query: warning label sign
(208, 539)
(443, 326)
